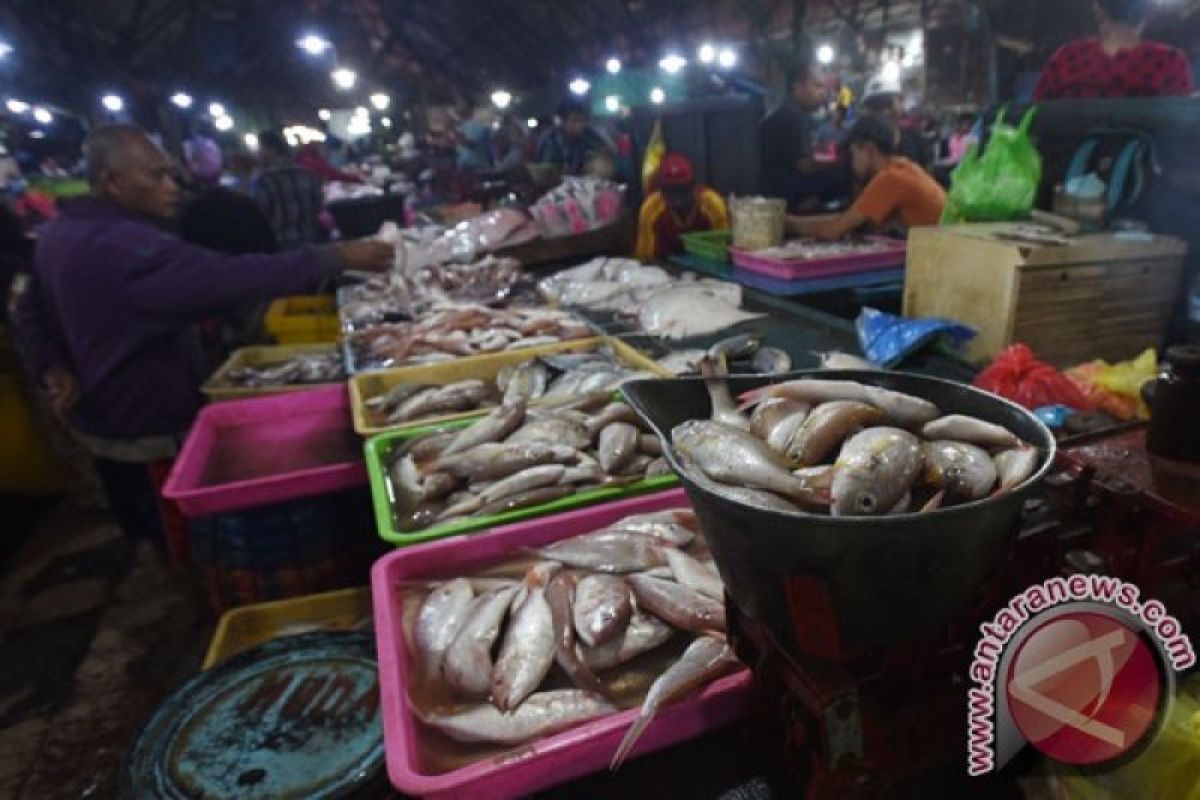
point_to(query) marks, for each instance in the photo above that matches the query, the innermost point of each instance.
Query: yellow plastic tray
(245, 627)
(303, 319)
(366, 385)
(217, 387)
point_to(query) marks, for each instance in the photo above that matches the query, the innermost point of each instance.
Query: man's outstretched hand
(366, 255)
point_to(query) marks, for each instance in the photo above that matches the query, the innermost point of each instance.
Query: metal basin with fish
(884, 579)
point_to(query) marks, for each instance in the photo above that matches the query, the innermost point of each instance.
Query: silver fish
(440, 618)
(836, 360)
(459, 505)
(406, 477)
(901, 408)
(691, 573)
(437, 485)
(876, 467)
(561, 596)
(637, 467)
(495, 460)
(679, 605)
(775, 419)
(395, 396)
(617, 446)
(528, 648)
(706, 659)
(826, 427)
(755, 498)
(675, 526)
(962, 428)
(467, 667)
(606, 551)
(540, 715)
(1014, 466)
(429, 446)
(770, 361)
(613, 412)
(643, 633)
(523, 481)
(650, 444)
(552, 429)
(526, 382)
(742, 345)
(525, 499)
(723, 408)
(658, 466)
(903, 506)
(602, 608)
(461, 396)
(965, 472)
(497, 424)
(736, 457)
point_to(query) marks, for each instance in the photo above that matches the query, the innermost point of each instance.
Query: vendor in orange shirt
(898, 193)
(679, 206)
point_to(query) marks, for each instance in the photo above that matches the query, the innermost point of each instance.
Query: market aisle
(93, 633)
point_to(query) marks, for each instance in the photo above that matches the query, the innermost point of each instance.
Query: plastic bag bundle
(887, 340)
(1001, 182)
(1117, 388)
(1018, 375)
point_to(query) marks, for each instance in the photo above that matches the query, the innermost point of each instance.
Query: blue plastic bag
(887, 339)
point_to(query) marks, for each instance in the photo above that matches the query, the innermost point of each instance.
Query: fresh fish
(395, 396)
(528, 648)
(743, 345)
(540, 715)
(606, 551)
(755, 498)
(1014, 466)
(613, 412)
(523, 481)
(836, 360)
(962, 428)
(903, 409)
(406, 477)
(637, 467)
(481, 585)
(584, 472)
(530, 497)
(658, 466)
(524, 383)
(736, 457)
(691, 573)
(554, 429)
(661, 572)
(684, 311)
(723, 408)
(875, 469)
(676, 526)
(826, 427)
(617, 446)
(437, 485)
(459, 505)
(498, 423)
(494, 460)
(819, 476)
(467, 667)
(775, 420)
(461, 396)
(705, 659)
(679, 605)
(682, 362)
(429, 446)
(439, 620)
(650, 444)
(561, 596)
(588, 404)
(602, 609)
(964, 471)
(770, 361)
(643, 633)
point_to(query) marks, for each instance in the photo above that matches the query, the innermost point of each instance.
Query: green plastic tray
(713, 245)
(378, 448)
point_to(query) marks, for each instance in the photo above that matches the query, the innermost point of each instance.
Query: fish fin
(934, 502)
(631, 736)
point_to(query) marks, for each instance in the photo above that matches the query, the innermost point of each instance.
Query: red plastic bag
(1017, 375)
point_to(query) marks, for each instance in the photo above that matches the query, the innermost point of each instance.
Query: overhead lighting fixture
(386, 122)
(250, 140)
(531, 123)
(344, 78)
(579, 86)
(37, 134)
(707, 53)
(216, 110)
(891, 71)
(381, 101)
(672, 63)
(361, 111)
(612, 103)
(826, 54)
(613, 65)
(5, 49)
(17, 106)
(358, 126)
(182, 99)
(727, 58)
(657, 95)
(42, 115)
(223, 123)
(323, 114)
(501, 99)
(112, 102)
(313, 44)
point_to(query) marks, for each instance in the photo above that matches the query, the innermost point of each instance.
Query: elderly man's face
(142, 178)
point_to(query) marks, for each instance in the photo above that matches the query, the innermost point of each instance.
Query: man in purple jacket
(108, 318)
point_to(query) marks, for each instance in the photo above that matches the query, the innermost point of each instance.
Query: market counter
(1106, 295)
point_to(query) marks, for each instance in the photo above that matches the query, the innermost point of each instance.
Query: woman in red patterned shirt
(1117, 63)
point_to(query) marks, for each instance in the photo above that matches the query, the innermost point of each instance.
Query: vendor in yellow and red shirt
(679, 206)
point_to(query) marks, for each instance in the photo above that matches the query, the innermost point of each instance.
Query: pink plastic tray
(892, 255)
(248, 453)
(551, 760)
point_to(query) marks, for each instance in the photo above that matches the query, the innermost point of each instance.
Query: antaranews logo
(1079, 668)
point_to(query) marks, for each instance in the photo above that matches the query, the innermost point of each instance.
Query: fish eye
(866, 502)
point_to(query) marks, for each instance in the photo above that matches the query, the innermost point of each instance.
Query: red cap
(675, 170)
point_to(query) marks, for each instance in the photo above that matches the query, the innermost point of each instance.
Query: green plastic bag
(999, 184)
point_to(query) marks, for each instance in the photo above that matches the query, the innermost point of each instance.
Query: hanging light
(5, 49)
(251, 141)
(182, 99)
(344, 78)
(323, 114)
(37, 134)
(358, 126)
(42, 115)
(216, 110)
(386, 122)
(381, 101)
(707, 53)
(613, 65)
(826, 54)
(223, 123)
(727, 58)
(657, 95)
(579, 86)
(612, 103)
(17, 106)
(891, 71)
(112, 102)
(531, 123)
(501, 99)
(361, 111)
(313, 44)
(672, 63)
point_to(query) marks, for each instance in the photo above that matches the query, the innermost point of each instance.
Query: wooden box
(1101, 296)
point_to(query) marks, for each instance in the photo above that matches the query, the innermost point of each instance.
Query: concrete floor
(93, 634)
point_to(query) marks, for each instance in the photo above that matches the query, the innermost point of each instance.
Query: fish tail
(631, 736)
(934, 502)
(753, 397)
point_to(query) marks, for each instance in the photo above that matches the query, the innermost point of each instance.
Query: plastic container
(553, 759)
(248, 626)
(303, 319)
(709, 245)
(255, 452)
(218, 387)
(383, 496)
(757, 221)
(366, 385)
(892, 255)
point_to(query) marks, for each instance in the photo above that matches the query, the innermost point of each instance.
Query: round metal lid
(296, 717)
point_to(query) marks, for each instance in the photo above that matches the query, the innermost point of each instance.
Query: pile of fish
(551, 378)
(743, 354)
(590, 605)
(301, 369)
(846, 448)
(816, 250)
(676, 308)
(451, 330)
(516, 457)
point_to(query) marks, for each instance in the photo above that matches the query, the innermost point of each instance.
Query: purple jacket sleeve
(166, 275)
(38, 333)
